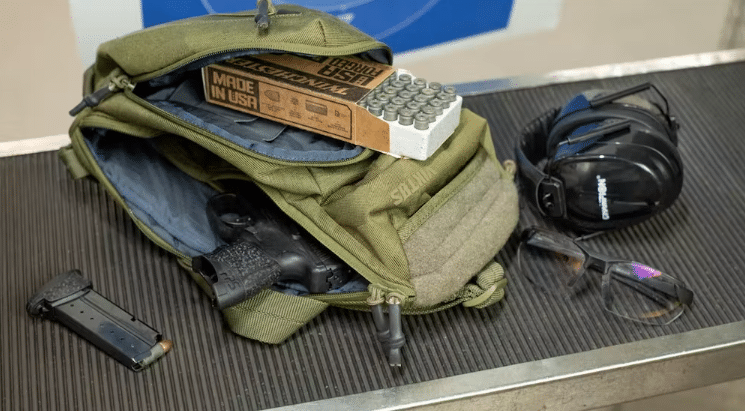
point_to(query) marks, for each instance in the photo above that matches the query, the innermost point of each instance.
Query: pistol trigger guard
(240, 222)
(228, 204)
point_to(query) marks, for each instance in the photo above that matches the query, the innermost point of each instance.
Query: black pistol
(264, 247)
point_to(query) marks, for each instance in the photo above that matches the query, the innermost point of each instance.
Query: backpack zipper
(120, 82)
(117, 83)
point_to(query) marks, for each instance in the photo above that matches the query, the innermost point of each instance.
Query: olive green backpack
(422, 235)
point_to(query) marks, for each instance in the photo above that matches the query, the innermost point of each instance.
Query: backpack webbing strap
(271, 317)
(488, 289)
(485, 289)
(74, 166)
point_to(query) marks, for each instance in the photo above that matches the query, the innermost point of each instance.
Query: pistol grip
(236, 272)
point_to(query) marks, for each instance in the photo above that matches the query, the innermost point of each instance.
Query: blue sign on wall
(403, 25)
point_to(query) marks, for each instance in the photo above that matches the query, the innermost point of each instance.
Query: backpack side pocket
(458, 232)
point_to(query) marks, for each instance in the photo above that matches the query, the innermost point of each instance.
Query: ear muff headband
(628, 108)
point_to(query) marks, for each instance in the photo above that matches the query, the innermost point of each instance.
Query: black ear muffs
(604, 160)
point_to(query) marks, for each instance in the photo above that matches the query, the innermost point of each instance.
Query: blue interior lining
(185, 100)
(164, 198)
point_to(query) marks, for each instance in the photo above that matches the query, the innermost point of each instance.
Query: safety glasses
(556, 264)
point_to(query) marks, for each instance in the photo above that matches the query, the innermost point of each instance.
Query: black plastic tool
(70, 300)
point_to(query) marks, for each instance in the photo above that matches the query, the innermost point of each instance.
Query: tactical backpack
(421, 235)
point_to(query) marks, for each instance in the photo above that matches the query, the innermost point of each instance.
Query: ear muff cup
(638, 135)
(643, 167)
(643, 115)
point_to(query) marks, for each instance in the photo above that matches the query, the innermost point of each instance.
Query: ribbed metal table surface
(50, 223)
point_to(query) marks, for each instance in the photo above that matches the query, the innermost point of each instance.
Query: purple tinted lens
(638, 292)
(642, 271)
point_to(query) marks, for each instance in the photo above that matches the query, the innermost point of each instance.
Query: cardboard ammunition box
(318, 94)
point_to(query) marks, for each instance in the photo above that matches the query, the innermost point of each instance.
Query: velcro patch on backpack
(462, 236)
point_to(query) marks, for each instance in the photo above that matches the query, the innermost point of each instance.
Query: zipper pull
(262, 16)
(389, 330)
(91, 100)
(396, 338)
(381, 323)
